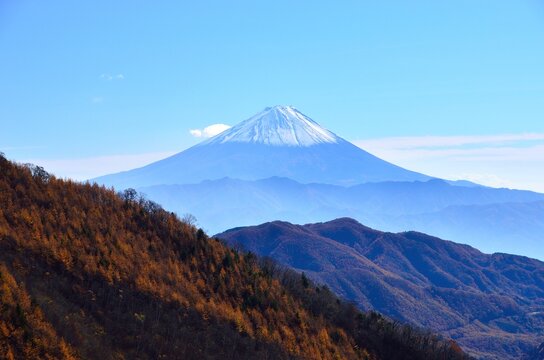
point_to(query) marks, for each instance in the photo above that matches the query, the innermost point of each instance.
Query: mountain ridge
(433, 206)
(490, 304)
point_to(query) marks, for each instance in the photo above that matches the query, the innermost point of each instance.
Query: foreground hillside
(85, 273)
(493, 305)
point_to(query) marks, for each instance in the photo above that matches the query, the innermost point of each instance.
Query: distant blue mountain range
(282, 165)
(493, 220)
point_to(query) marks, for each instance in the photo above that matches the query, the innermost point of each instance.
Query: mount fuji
(280, 141)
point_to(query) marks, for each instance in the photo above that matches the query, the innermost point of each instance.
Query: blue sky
(451, 88)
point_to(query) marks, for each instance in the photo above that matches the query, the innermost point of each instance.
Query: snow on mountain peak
(277, 126)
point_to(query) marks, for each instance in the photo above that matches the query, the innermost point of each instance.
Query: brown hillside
(85, 273)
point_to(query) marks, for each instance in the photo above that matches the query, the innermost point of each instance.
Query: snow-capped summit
(278, 125)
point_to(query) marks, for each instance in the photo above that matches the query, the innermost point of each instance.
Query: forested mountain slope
(86, 273)
(492, 304)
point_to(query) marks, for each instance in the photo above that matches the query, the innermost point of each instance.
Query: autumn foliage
(89, 273)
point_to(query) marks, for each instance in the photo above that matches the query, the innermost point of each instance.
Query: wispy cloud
(513, 161)
(507, 160)
(97, 99)
(91, 167)
(412, 142)
(209, 131)
(110, 77)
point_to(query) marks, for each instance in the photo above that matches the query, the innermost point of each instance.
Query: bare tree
(189, 219)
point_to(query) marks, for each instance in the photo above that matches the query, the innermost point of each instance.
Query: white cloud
(446, 141)
(196, 132)
(209, 131)
(511, 160)
(488, 179)
(110, 77)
